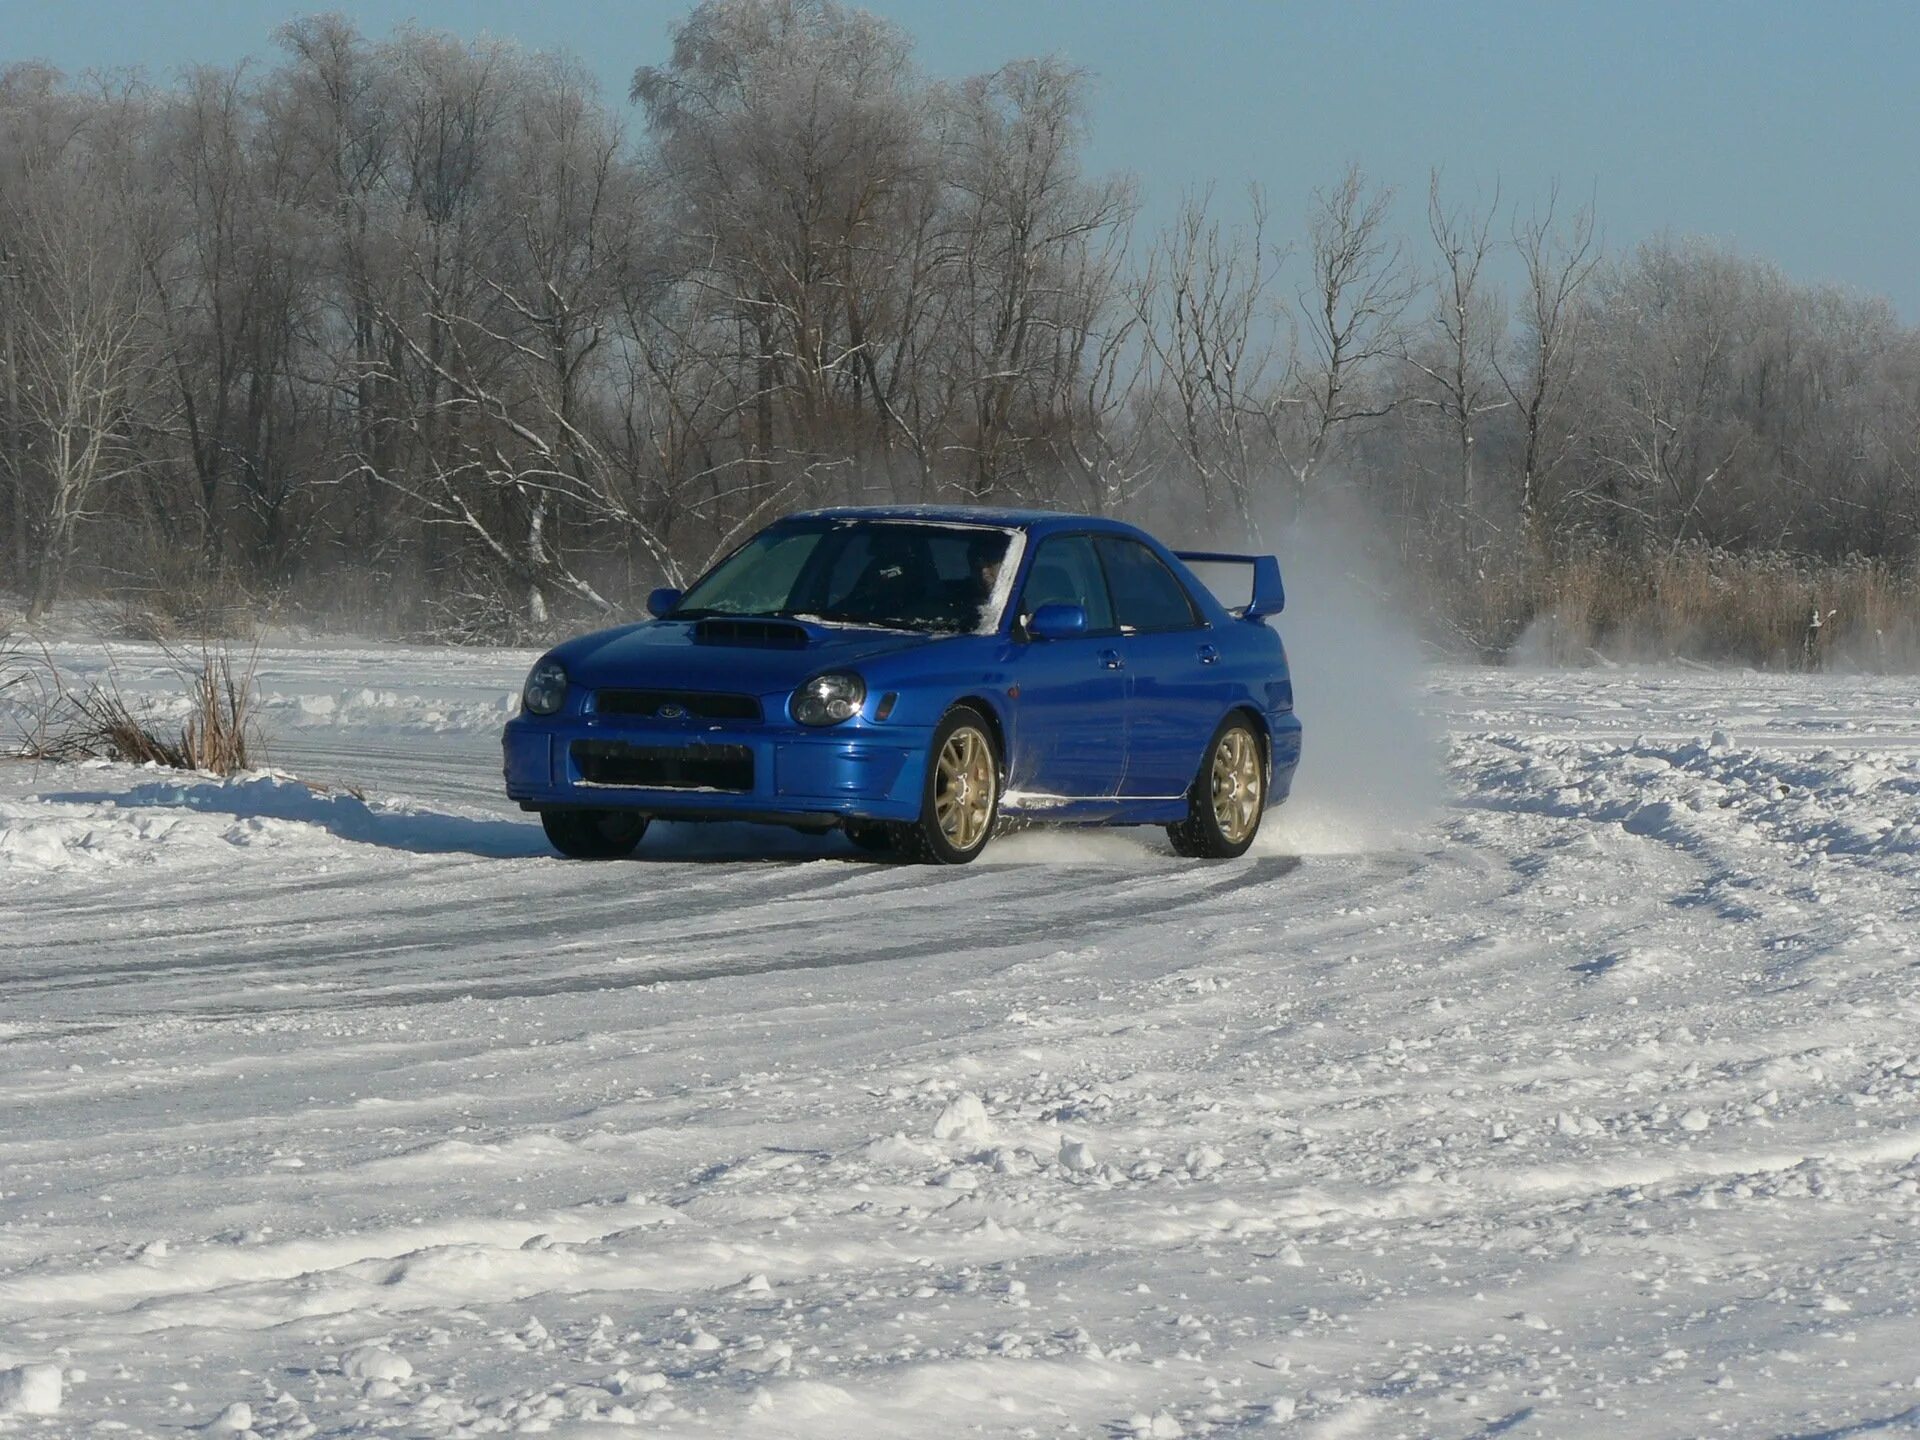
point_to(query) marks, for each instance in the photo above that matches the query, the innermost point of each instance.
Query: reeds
(100, 723)
(1766, 610)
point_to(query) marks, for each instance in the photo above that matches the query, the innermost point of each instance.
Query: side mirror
(661, 602)
(1058, 622)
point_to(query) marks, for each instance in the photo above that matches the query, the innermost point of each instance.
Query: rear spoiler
(1269, 595)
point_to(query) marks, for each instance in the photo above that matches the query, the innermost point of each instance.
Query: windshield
(897, 574)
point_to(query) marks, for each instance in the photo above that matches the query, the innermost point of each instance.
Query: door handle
(1111, 660)
(1209, 655)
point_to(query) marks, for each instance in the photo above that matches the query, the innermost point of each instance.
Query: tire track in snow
(491, 942)
(588, 900)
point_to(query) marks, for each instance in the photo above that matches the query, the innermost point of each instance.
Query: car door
(1070, 719)
(1176, 691)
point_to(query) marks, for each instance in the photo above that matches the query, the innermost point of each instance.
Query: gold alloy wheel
(1236, 785)
(963, 788)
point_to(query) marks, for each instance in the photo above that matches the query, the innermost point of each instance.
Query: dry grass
(32, 693)
(215, 738)
(176, 598)
(1698, 604)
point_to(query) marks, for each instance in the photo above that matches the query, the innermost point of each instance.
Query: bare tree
(1665, 437)
(81, 352)
(793, 136)
(416, 324)
(1216, 367)
(231, 273)
(1097, 434)
(1558, 262)
(1465, 328)
(490, 312)
(13, 441)
(40, 122)
(1027, 224)
(1351, 307)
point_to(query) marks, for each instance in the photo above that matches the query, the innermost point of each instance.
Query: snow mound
(366, 708)
(30, 1390)
(86, 838)
(236, 1419)
(1695, 794)
(964, 1120)
(108, 826)
(375, 1362)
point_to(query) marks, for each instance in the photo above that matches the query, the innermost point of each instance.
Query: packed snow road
(1587, 1104)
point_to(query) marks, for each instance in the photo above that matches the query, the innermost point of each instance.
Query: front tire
(593, 834)
(961, 799)
(1228, 797)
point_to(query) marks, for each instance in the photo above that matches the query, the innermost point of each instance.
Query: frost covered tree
(1537, 369)
(1456, 362)
(78, 329)
(795, 133)
(1351, 307)
(426, 331)
(1034, 269)
(1217, 370)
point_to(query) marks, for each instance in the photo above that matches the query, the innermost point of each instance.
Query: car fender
(927, 682)
(1256, 661)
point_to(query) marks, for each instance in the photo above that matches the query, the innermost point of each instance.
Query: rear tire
(593, 834)
(1229, 795)
(961, 798)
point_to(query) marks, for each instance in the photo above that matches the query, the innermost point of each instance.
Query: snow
(30, 1389)
(964, 1119)
(236, 1419)
(1571, 1089)
(375, 1363)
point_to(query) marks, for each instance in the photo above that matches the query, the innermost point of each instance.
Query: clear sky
(1789, 129)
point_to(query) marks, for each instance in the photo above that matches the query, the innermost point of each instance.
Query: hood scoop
(759, 634)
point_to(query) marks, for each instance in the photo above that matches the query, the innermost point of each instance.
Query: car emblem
(670, 711)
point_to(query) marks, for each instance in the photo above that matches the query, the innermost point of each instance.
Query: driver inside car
(893, 584)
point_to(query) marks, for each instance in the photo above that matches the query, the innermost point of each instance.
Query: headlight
(828, 699)
(546, 688)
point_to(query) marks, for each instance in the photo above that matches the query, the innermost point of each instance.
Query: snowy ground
(1588, 1106)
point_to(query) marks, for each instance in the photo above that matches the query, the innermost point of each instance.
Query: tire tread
(1198, 837)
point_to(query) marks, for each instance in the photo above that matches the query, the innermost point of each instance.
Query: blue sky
(1788, 129)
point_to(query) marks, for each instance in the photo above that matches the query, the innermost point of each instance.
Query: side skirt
(1105, 810)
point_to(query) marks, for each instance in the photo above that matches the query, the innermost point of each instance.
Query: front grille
(698, 766)
(677, 704)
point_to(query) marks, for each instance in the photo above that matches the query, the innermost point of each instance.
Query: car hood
(755, 658)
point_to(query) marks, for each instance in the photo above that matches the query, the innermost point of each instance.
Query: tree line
(427, 334)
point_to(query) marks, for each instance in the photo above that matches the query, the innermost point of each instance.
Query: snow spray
(1370, 775)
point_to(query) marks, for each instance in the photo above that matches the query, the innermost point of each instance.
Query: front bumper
(785, 774)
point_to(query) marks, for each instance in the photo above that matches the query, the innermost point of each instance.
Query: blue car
(911, 675)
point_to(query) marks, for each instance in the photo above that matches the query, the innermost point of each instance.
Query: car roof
(1036, 521)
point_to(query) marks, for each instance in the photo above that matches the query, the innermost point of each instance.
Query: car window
(765, 584)
(1067, 572)
(871, 571)
(916, 576)
(931, 577)
(1146, 594)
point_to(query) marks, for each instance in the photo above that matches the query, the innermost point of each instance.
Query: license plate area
(698, 766)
